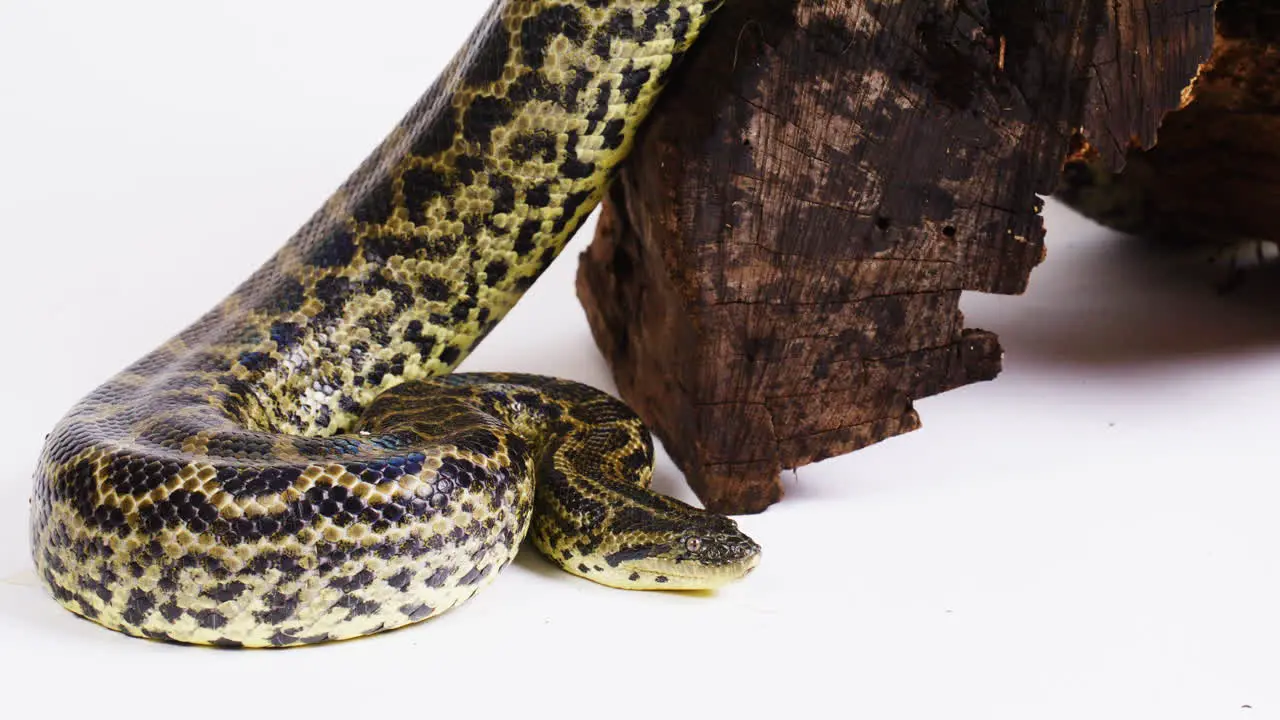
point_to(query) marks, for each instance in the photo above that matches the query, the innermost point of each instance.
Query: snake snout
(747, 556)
(731, 553)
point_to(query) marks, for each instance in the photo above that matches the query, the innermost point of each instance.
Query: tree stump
(1214, 177)
(776, 273)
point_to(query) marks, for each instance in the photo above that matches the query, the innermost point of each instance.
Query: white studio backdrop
(1092, 535)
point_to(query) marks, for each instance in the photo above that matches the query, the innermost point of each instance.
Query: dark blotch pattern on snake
(299, 465)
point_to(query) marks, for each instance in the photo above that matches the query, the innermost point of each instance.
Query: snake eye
(693, 544)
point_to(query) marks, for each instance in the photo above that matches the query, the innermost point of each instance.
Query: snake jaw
(692, 575)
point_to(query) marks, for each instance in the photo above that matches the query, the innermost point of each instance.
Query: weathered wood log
(1214, 176)
(776, 273)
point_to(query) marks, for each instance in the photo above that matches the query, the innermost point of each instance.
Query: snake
(301, 464)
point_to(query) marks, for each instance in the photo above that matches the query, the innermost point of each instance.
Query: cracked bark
(776, 272)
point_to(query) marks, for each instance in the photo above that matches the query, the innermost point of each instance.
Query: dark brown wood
(1214, 176)
(776, 273)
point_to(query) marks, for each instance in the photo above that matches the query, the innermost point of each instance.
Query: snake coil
(299, 465)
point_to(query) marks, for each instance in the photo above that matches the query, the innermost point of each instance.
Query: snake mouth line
(709, 578)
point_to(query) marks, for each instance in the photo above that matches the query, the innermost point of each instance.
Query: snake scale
(299, 465)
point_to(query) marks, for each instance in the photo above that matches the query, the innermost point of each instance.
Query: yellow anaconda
(299, 465)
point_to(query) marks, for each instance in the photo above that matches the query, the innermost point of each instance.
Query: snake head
(707, 552)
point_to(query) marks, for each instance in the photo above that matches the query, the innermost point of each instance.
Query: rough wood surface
(1214, 176)
(776, 274)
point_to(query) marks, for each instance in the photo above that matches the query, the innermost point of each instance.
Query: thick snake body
(299, 465)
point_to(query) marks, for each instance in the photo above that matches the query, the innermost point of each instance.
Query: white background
(1094, 535)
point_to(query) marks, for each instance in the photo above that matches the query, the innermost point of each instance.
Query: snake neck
(441, 230)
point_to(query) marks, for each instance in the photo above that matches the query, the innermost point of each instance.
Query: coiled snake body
(299, 465)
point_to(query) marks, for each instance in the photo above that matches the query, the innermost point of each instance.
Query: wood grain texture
(777, 271)
(1214, 176)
